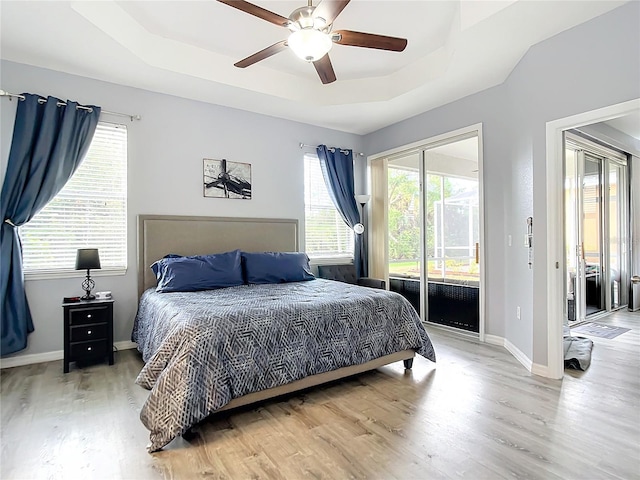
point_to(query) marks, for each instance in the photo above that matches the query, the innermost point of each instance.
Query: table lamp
(87, 259)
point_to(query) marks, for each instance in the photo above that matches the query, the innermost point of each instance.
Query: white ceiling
(188, 48)
(629, 124)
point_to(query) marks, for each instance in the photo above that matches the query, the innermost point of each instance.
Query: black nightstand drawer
(89, 332)
(97, 348)
(86, 316)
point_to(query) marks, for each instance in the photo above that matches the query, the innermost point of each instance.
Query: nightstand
(88, 331)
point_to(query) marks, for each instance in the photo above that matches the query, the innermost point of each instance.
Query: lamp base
(87, 285)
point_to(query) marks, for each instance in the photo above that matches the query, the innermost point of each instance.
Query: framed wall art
(225, 179)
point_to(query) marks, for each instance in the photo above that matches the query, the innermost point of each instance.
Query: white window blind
(326, 234)
(89, 212)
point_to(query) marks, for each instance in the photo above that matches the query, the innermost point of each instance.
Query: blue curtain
(49, 142)
(337, 170)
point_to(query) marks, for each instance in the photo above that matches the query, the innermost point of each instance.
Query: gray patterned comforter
(203, 349)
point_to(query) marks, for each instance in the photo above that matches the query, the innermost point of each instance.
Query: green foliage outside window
(404, 219)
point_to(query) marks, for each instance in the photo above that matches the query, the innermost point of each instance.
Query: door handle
(477, 252)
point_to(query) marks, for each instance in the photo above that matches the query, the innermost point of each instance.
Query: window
(453, 227)
(90, 211)
(326, 234)
(404, 219)
(451, 222)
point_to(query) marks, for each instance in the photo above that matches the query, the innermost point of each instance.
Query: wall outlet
(518, 312)
(509, 240)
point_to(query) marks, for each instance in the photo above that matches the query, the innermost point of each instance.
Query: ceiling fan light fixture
(302, 18)
(310, 44)
(319, 23)
(311, 35)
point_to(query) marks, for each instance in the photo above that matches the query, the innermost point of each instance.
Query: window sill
(54, 274)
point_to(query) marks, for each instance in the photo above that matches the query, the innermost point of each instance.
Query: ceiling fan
(311, 36)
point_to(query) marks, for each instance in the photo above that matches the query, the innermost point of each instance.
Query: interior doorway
(554, 276)
(596, 226)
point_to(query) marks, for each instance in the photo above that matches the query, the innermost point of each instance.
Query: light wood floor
(477, 414)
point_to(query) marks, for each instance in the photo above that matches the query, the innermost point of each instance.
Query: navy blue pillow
(201, 272)
(276, 267)
(157, 266)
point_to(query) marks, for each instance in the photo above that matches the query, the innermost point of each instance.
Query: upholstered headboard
(159, 235)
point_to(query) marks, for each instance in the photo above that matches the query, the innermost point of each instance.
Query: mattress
(203, 349)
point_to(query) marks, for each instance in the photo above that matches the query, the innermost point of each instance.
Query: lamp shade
(362, 199)
(87, 259)
(310, 44)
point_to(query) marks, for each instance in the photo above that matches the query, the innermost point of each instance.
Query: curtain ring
(6, 220)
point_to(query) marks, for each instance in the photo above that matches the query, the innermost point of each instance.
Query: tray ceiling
(188, 48)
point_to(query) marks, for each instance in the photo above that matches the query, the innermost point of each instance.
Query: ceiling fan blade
(262, 54)
(257, 11)
(370, 40)
(325, 69)
(330, 9)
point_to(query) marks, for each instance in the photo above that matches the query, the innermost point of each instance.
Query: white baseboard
(29, 359)
(513, 350)
(493, 340)
(541, 370)
(517, 353)
(32, 358)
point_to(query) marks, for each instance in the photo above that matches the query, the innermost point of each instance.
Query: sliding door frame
(378, 238)
(605, 156)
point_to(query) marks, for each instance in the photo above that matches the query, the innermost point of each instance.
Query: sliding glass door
(618, 220)
(404, 215)
(451, 270)
(596, 229)
(452, 228)
(426, 227)
(591, 233)
(404, 220)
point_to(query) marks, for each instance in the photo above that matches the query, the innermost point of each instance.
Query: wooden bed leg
(408, 363)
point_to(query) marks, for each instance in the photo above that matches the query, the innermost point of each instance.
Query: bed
(213, 350)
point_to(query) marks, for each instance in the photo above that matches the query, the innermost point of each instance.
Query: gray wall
(593, 65)
(166, 149)
(590, 66)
